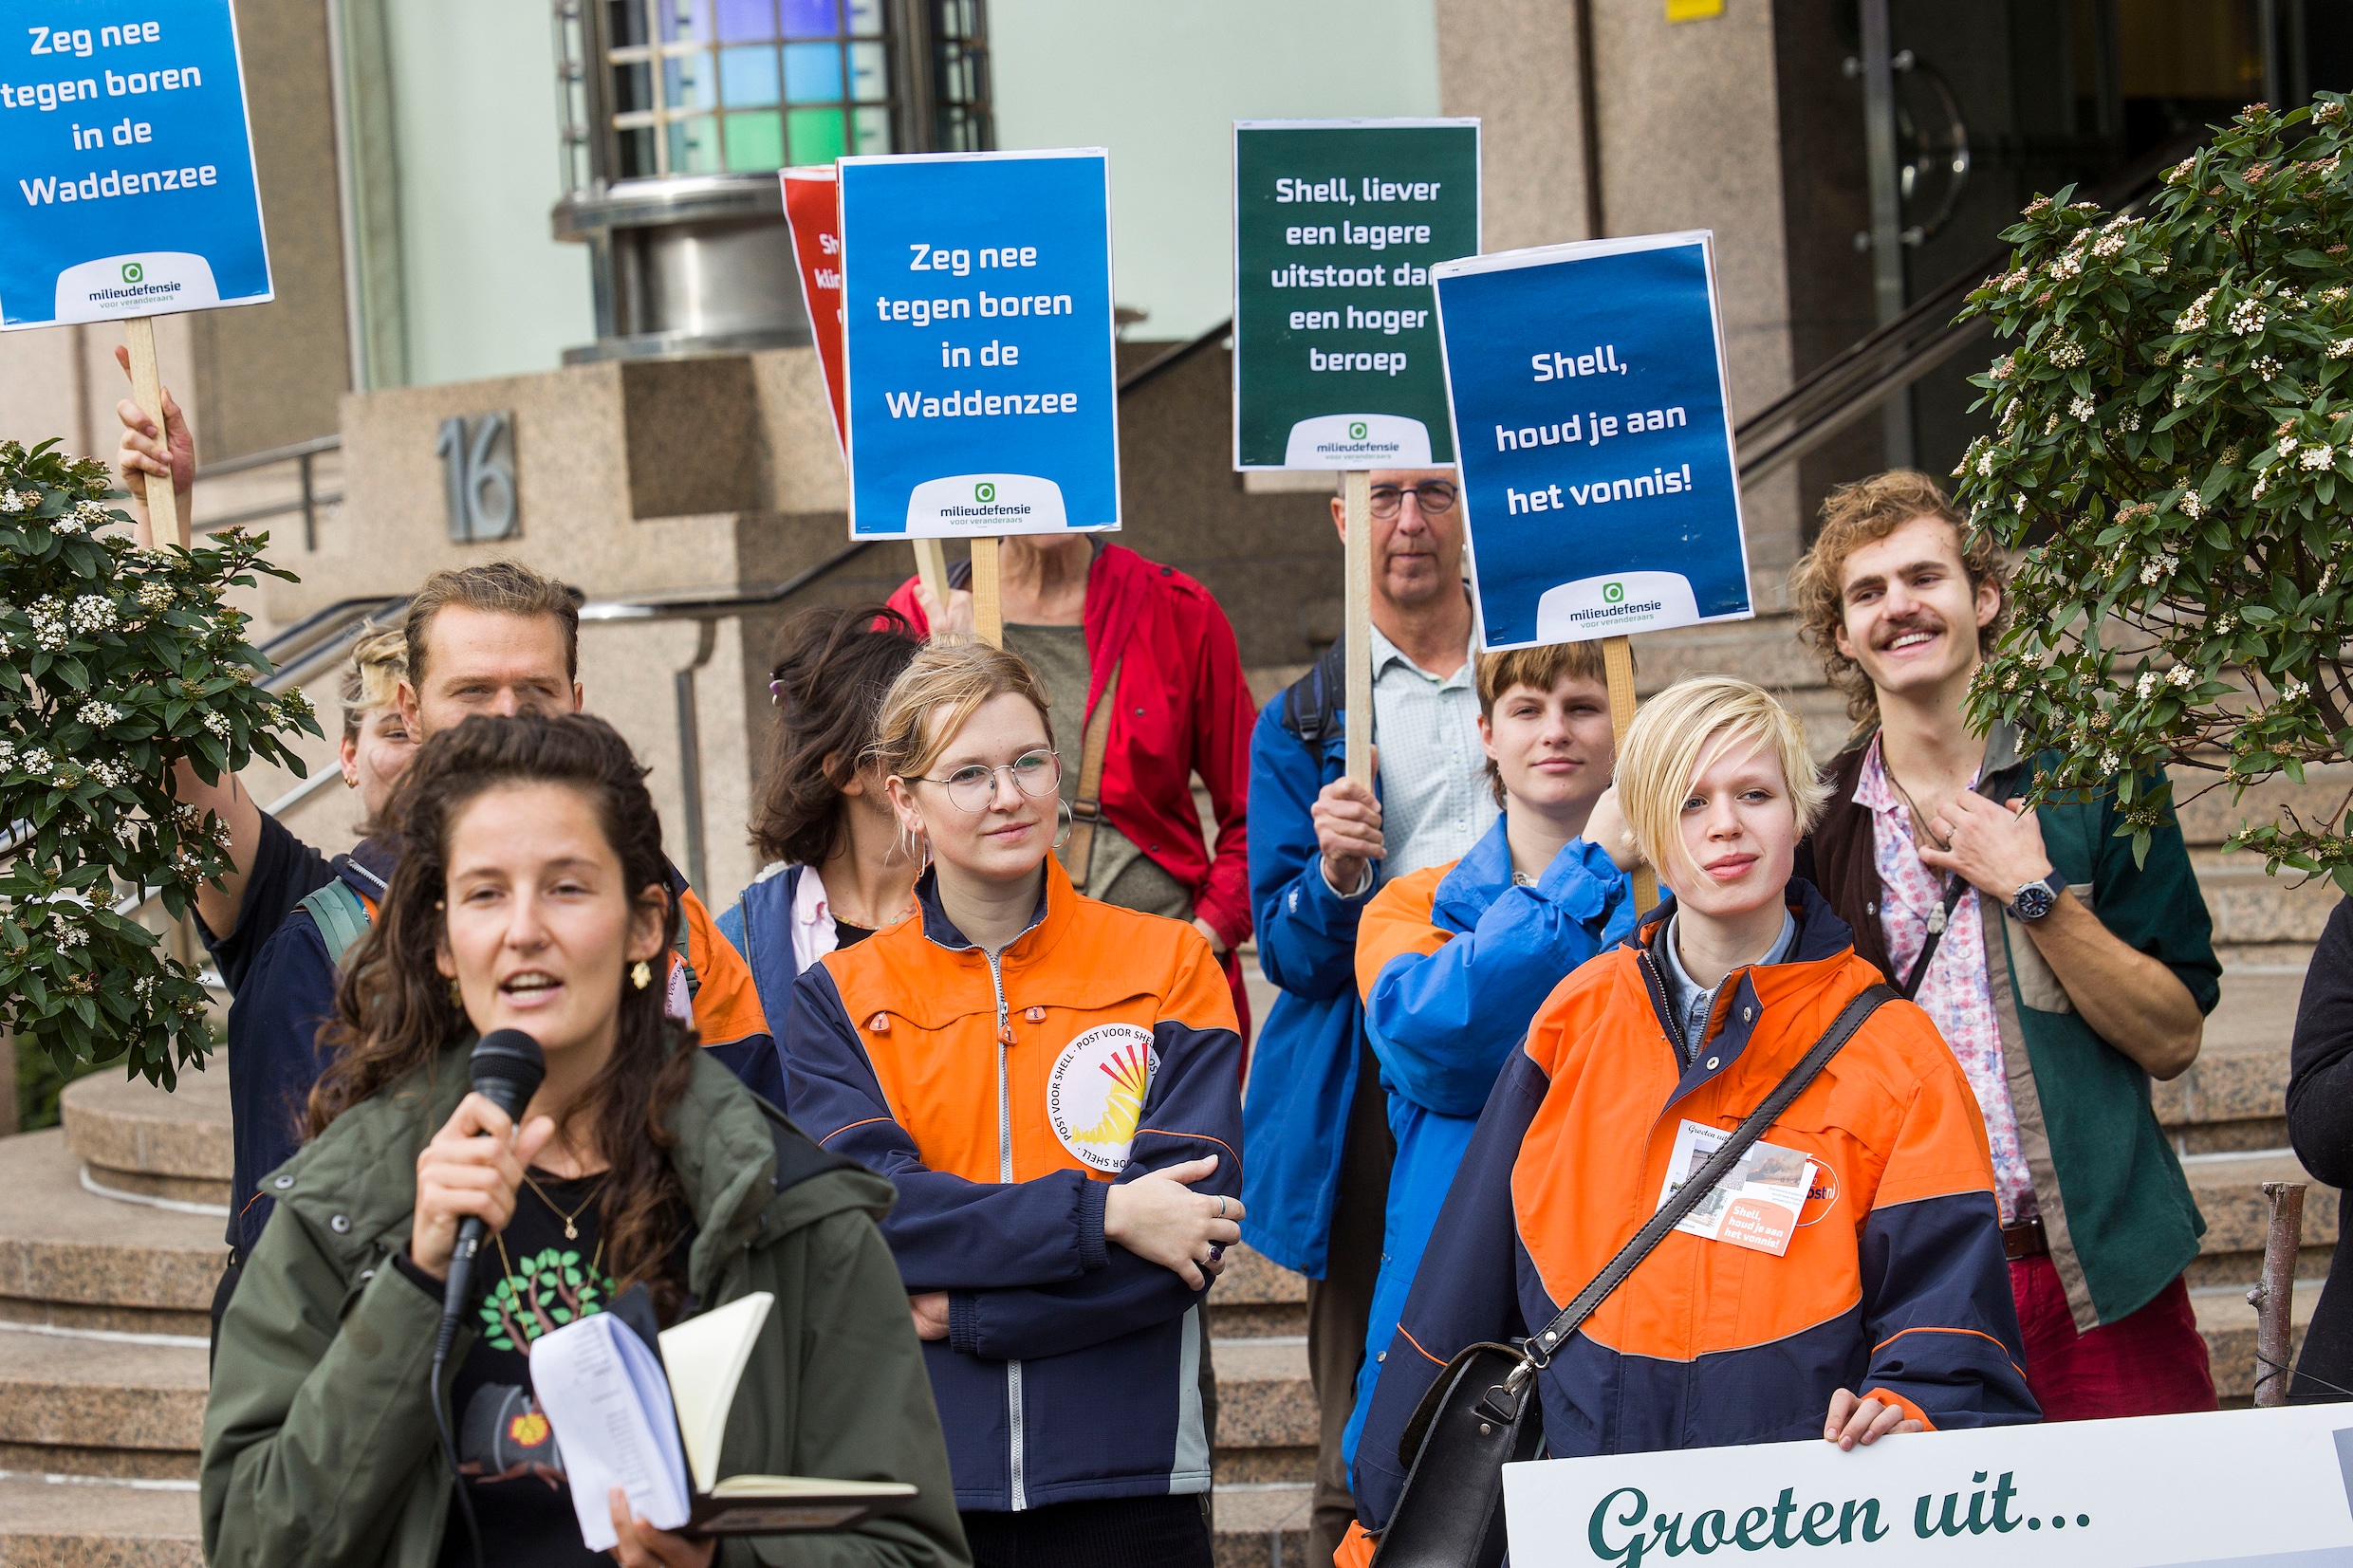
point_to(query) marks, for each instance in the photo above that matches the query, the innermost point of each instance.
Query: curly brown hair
(832, 671)
(1863, 513)
(393, 1015)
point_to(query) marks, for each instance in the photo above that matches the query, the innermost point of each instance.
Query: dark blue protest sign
(126, 164)
(1593, 431)
(981, 390)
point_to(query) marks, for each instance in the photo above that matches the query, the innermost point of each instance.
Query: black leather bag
(1482, 1413)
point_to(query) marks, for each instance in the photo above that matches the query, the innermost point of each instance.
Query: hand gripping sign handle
(1357, 505)
(1618, 665)
(164, 524)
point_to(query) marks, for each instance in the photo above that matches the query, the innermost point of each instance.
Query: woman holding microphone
(1051, 1084)
(532, 895)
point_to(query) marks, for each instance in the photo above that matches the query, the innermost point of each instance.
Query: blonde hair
(1678, 728)
(379, 661)
(946, 682)
(1539, 669)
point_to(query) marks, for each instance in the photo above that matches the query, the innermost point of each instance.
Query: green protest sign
(1336, 225)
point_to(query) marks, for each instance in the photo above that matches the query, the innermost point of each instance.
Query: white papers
(607, 1397)
(706, 1358)
(1756, 1205)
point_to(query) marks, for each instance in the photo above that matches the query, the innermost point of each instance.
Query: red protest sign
(814, 215)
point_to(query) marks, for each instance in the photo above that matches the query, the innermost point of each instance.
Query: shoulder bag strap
(1077, 851)
(1689, 1196)
(1936, 924)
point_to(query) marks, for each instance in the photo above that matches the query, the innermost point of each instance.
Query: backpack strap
(1314, 702)
(342, 918)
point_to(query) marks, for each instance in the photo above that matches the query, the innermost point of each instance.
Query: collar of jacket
(1823, 944)
(369, 866)
(1046, 922)
(2001, 757)
(1465, 894)
(356, 1185)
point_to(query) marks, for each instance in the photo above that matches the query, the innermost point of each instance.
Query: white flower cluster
(2247, 318)
(92, 514)
(2193, 319)
(2263, 483)
(218, 725)
(2110, 241)
(2067, 266)
(68, 524)
(1985, 464)
(2340, 348)
(2005, 367)
(156, 597)
(2131, 419)
(100, 716)
(294, 706)
(2108, 760)
(2328, 579)
(2182, 677)
(126, 833)
(2146, 685)
(2292, 689)
(2317, 457)
(2066, 354)
(48, 624)
(143, 989)
(2223, 625)
(2159, 567)
(71, 936)
(2263, 365)
(35, 762)
(2082, 408)
(92, 613)
(112, 775)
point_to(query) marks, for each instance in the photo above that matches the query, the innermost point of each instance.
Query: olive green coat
(320, 1446)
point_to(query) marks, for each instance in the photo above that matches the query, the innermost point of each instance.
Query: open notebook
(621, 1420)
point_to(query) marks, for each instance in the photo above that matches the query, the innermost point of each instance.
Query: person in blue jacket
(837, 868)
(1314, 1120)
(1454, 960)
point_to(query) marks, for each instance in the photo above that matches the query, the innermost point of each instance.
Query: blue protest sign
(1593, 430)
(126, 161)
(981, 389)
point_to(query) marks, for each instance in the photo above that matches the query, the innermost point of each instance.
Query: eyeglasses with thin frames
(974, 786)
(1436, 497)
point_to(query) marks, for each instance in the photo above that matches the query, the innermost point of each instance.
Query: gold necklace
(571, 1231)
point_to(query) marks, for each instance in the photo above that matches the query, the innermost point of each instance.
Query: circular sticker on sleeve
(1095, 1095)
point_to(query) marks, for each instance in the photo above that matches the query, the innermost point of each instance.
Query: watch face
(2034, 901)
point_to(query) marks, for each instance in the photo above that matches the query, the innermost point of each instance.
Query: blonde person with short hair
(1053, 1083)
(1887, 1309)
(1453, 960)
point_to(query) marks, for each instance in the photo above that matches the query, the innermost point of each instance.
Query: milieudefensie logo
(984, 491)
(1614, 594)
(134, 273)
(1358, 430)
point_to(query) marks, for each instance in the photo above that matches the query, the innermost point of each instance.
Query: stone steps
(67, 1522)
(118, 1406)
(70, 1259)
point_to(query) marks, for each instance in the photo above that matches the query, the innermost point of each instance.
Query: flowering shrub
(2173, 428)
(115, 663)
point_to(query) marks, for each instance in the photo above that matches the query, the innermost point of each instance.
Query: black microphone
(507, 1066)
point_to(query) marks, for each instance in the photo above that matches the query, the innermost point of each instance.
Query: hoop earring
(1068, 819)
(641, 974)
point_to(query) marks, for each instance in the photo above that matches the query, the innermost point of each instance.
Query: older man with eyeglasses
(1317, 1147)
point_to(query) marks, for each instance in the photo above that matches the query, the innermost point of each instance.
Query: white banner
(2237, 1486)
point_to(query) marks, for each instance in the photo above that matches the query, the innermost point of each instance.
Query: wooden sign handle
(931, 569)
(1618, 665)
(164, 522)
(987, 604)
(1357, 508)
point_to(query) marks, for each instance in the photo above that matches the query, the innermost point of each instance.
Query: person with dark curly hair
(532, 895)
(2064, 974)
(837, 868)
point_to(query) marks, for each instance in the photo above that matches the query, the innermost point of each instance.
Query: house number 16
(478, 477)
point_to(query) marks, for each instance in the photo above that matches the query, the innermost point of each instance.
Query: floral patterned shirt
(1955, 992)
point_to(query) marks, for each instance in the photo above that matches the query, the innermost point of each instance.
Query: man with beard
(2064, 975)
(1317, 1145)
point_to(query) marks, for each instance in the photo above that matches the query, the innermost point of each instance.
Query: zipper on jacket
(1005, 1173)
(1657, 985)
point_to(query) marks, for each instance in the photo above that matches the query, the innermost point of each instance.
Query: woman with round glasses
(1052, 1083)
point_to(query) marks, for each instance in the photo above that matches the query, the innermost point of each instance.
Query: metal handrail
(300, 453)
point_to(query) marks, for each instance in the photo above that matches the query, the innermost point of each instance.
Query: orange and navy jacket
(1894, 1285)
(1002, 1096)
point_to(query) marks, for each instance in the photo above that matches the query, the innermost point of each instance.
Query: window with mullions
(701, 86)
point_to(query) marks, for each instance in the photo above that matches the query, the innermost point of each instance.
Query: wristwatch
(2037, 899)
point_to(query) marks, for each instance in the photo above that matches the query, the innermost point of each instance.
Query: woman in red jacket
(1104, 626)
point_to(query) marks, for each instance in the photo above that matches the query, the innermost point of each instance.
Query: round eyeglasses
(973, 787)
(1436, 497)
